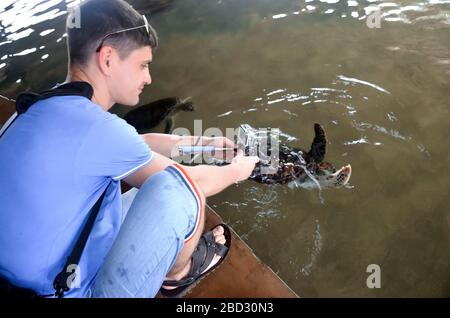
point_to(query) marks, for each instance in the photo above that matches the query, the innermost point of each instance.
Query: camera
(263, 143)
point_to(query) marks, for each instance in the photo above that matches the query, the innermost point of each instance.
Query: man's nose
(148, 78)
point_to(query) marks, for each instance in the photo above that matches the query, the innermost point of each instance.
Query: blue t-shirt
(56, 160)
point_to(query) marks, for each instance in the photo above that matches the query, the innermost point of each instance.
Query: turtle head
(328, 176)
(186, 105)
(181, 105)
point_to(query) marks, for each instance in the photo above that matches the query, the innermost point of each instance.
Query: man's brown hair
(97, 19)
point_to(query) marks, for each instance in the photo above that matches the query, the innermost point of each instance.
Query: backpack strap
(8, 124)
(64, 279)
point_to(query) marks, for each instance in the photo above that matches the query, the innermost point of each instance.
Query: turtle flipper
(169, 125)
(147, 117)
(319, 144)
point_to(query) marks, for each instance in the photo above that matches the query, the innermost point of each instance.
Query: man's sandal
(202, 257)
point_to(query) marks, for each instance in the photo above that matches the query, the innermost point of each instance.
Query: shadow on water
(382, 95)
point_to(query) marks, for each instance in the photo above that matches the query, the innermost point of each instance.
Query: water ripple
(349, 80)
(313, 251)
(411, 12)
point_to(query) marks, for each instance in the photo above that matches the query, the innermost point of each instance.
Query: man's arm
(214, 179)
(166, 144)
(210, 179)
(163, 143)
(158, 163)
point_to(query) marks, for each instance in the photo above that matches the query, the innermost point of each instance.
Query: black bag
(8, 291)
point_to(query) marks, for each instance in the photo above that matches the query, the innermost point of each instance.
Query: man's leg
(160, 232)
(183, 262)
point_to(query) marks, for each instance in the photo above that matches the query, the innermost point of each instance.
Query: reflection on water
(382, 95)
(313, 250)
(398, 11)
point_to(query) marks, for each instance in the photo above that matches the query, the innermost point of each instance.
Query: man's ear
(105, 58)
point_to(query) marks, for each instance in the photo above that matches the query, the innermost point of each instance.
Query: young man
(64, 150)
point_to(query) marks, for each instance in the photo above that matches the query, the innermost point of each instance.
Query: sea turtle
(147, 117)
(294, 161)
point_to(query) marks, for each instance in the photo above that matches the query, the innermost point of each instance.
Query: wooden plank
(7, 108)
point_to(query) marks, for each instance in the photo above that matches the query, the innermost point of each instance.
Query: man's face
(130, 75)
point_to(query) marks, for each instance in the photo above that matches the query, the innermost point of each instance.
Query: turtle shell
(290, 167)
(293, 161)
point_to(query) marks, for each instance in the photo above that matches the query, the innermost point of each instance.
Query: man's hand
(244, 165)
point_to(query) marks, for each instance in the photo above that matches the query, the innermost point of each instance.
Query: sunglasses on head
(146, 26)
